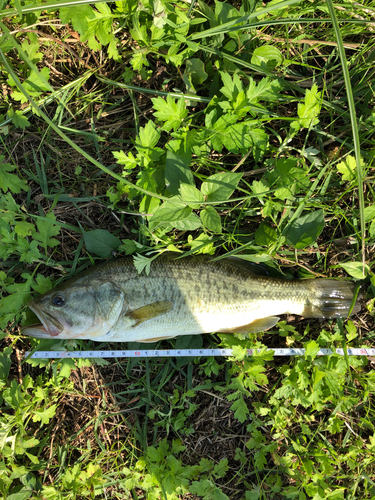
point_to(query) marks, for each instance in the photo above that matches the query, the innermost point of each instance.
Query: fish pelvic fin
(332, 299)
(259, 325)
(150, 311)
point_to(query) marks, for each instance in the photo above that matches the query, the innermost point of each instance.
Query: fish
(194, 295)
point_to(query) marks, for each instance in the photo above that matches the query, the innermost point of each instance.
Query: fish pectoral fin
(150, 311)
(259, 325)
(156, 339)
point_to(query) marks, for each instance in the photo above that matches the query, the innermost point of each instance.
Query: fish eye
(58, 300)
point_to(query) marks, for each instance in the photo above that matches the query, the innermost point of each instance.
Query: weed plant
(136, 127)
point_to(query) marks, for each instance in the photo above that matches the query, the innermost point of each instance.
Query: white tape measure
(178, 353)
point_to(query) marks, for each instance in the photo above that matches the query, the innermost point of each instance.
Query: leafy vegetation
(137, 127)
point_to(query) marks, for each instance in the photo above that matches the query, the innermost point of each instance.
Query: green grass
(139, 127)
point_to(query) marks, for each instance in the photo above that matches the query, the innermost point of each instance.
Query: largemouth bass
(112, 302)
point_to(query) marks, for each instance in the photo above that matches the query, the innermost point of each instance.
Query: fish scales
(193, 295)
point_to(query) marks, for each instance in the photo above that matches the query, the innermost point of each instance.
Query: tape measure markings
(177, 353)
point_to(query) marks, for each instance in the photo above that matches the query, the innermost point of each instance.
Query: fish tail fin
(332, 299)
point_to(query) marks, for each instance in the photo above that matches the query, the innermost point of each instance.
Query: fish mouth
(49, 326)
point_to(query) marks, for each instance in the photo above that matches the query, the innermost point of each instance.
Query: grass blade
(353, 119)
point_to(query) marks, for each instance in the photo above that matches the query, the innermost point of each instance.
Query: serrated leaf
(305, 230)
(171, 111)
(309, 110)
(211, 219)
(312, 349)
(9, 181)
(237, 137)
(148, 137)
(127, 160)
(67, 365)
(101, 242)
(78, 14)
(35, 83)
(43, 284)
(23, 228)
(139, 60)
(240, 409)
(46, 231)
(44, 416)
(20, 120)
(220, 187)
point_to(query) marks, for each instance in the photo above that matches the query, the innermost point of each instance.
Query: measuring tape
(178, 353)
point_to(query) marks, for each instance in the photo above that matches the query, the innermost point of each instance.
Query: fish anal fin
(155, 339)
(150, 311)
(258, 325)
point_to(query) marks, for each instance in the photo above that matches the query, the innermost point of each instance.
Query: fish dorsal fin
(150, 311)
(259, 325)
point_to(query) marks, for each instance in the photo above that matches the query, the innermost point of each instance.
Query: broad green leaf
(177, 170)
(220, 187)
(260, 188)
(347, 168)
(191, 223)
(5, 362)
(203, 244)
(170, 211)
(195, 70)
(355, 269)
(265, 235)
(191, 195)
(171, 111)
(255, 257)
(267, 57)
(372, 229)
(211, 219)
(305, 230)
(370, 213)
(101, 242)
(46, 231)
(9, 181)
